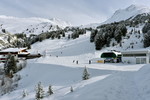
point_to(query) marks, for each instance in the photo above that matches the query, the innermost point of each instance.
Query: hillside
(107, 81)
(131, 11)
(67, 51)
(30, 25)
(123, 14)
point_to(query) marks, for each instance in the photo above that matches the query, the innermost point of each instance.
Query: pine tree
(147, 39)
(93, 34)
(50, 91)
(69, 36)
(85, 74)
(118, 35)
(113, 44)
(99, 42)
(28, 46)
(24, 93)
(146, 28)
(10, 65)
(3, 30)
(63, 34)
(39, 91)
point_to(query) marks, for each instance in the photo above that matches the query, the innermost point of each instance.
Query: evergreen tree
(86, 74)
(39, 91)
(28, 45)
(146, 28)
(108, 40)
(8, 39)
(3, 30)
(53, 36)
(24, 93)
(50, 91)
(93, 34)
(124, 30)
(118, 35)
(59, 37)
(99, 42)
(147, 39)
(10, 65)
(63, 34)
(113, 44)
(75, 35)
(69, 36)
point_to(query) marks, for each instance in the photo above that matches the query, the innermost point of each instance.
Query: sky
(77, 12)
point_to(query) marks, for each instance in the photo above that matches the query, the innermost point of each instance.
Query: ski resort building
(16, 52)
(112, 56)
(141, 56)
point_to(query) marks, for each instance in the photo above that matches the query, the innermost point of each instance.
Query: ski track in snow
(107, 81)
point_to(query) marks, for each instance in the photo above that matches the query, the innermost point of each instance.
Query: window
(108, 55)
(137, 60)
(143, 60)
(140, 60)
(133, 55)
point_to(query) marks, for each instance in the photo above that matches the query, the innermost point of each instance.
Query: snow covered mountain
(58, 66)
(131, 11)
(30, 25)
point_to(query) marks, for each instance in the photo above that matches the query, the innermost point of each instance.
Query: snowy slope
(107, 81)
(122, 14)
(30, 25)
(131, 11)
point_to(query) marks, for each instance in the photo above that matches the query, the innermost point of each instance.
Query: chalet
(16, 52)
(112, 56)
(141, 56)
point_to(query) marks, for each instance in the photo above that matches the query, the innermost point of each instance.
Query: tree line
(103, 34)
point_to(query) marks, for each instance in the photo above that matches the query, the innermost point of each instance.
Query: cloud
(74, 11)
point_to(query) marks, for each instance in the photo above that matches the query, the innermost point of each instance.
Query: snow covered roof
(115, 52)
(110, 54)
(143, 50)
(13, 49)
(24, 53)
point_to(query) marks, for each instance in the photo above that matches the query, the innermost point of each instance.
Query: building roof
(24, 53)
(143, 50)
(109, 54)
(115, 52)
(13, 49)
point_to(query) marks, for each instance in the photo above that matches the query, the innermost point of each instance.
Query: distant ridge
(131, 11)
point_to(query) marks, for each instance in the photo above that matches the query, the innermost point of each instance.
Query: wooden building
(16, 52)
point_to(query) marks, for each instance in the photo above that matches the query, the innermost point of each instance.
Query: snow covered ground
(31, 25)
(107, 81)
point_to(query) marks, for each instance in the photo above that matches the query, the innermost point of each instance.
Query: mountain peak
(39, 25)
(140, 8)
(132, 7)
(131, 11)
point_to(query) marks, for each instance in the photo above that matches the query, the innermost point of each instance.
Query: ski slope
(107, 81)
